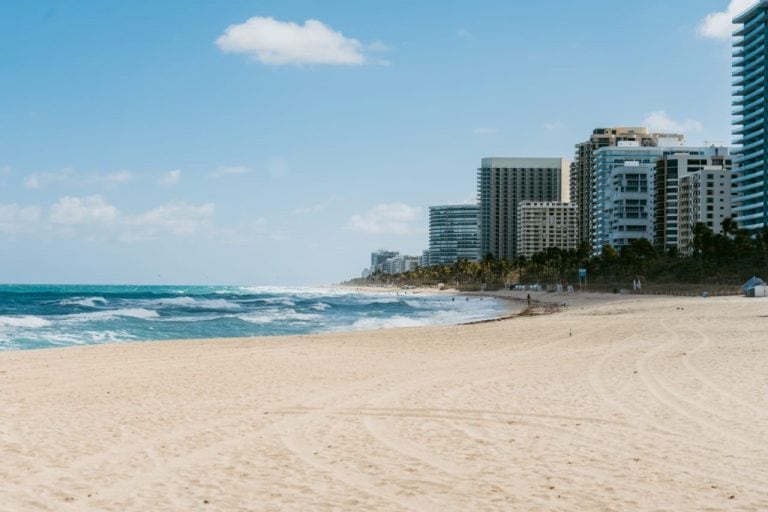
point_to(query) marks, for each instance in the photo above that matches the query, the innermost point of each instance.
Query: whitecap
(88, 302)
(191, 302)
(28, 321)
(320, 306)
(283, 301)
(369, 324)
(140, 313)
(270, 316)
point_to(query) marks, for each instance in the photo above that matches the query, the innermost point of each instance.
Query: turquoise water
(41, 316)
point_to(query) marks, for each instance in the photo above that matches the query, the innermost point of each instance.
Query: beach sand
(618, 404)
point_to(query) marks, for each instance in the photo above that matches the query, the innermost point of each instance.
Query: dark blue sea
(42, 316)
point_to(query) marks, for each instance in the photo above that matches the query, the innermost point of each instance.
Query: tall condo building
(379, 257)
(623, 198)
(624, 201)
(502, 183)
(671, 169)
(400, 263)
(452, 233)
(704, 197)
(541, 225)
(750, 70)
(583, 177)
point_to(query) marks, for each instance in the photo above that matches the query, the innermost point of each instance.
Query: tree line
(728, 258)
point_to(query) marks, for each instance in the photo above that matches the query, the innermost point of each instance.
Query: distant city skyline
(282, 142)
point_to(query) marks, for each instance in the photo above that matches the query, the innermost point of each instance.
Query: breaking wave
(38, 316)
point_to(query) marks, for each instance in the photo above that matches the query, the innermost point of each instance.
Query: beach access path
(625, 403)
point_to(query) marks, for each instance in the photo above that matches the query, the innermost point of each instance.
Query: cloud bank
(94, 216)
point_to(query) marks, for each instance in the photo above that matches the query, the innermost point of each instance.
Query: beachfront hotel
(502, 183)
(452, 233)
(750, 71)
(583, 178)
(715, 193)
(541, 225)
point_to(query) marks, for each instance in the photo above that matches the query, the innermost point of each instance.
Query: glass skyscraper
(452, 234)
(750, 70)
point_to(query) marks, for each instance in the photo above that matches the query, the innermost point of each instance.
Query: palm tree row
(728, 258)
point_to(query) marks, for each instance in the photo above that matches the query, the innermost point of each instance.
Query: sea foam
(140, 313)
(26, 321)
(88, 302)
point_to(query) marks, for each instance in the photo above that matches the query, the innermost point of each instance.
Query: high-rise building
(541, 225)
(750, 69)
(400, 263)
(671, 168)
(704, 197)
(379, 257)
(583, 178)
(623, 198)
(452, 233)
(424, 261)
(502, 183)
(624, 201)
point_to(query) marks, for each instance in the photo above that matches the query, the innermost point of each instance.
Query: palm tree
(729, 226)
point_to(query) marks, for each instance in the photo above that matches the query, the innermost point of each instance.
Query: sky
(279, 142)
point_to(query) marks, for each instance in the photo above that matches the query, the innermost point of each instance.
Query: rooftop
(751, 13)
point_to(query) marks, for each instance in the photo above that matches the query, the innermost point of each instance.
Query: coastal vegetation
(718, 260)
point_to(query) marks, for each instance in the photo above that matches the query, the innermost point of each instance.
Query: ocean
(43, 316)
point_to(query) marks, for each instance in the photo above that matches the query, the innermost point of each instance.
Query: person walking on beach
(529, 300)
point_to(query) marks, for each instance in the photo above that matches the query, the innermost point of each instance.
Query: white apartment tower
(541, 225)
(704, 197)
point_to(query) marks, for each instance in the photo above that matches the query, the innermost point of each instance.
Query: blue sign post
(583, 275)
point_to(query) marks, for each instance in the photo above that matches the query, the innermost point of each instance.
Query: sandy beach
(613, 403)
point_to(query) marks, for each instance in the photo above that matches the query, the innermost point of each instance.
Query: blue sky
(179, 142)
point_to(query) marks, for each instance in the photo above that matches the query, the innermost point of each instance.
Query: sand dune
(636, 404)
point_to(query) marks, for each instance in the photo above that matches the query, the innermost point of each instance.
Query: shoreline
(351, 328)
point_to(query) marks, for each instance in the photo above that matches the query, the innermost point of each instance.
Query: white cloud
(18, 219)
(93, 218)
(229, 171)
(719, 25)
(485, 131)
(176, 218)
(659, 121)
(70, 177)
(86, 210)
(283, 42)
(170, 178)
(388, 219)
(242, 234)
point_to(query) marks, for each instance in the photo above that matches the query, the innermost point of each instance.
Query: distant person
(529, 300)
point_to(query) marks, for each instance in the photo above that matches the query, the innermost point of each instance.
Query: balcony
(749, 78)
